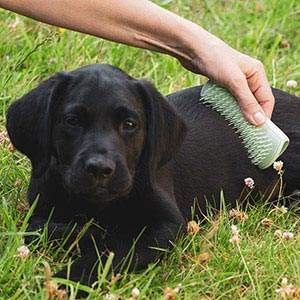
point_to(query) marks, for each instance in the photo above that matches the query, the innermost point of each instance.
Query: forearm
(138, 23)
(143, 24)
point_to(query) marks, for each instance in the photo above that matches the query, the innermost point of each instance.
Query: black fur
(137, 183)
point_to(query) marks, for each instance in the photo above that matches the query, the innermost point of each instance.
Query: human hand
(160, 30)
(244, 76)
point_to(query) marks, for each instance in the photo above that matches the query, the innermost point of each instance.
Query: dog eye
(72, 120)
(128, 125)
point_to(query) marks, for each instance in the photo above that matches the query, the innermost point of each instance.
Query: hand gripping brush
(264, 144)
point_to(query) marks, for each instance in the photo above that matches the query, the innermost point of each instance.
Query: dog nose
(100, 167)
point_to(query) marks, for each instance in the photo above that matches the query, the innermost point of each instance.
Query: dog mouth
(101, 196)
(102, 190)
(97, 189)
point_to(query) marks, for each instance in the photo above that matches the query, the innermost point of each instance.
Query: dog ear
(29, 121)
(166, 130)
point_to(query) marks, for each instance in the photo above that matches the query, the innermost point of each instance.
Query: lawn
(205, 265)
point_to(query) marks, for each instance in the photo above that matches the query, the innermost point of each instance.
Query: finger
(261, 90)
(264, 97)
(251, 109)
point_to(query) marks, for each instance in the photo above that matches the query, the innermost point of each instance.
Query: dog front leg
(56, 231)
(130, 253)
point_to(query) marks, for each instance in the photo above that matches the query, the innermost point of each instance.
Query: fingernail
(259, 118)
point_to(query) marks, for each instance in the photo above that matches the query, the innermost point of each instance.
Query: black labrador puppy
(108, 147)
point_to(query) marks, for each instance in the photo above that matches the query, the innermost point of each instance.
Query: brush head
(264, 144)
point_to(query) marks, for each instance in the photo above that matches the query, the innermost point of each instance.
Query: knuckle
(258, 65)
(236, 82)
(249, 106)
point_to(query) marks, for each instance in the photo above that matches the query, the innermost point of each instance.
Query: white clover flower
(234, 230)
(291, 84)
(249, 182)
(282, 209)
(288, 291)
(110, 296)
(277, 165)
(177, 289)
(235, 239)
(278, 233)
(135, 293)
(287, 235)
(170, 293)
(23, 251)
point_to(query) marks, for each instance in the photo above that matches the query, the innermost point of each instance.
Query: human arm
(143, 24)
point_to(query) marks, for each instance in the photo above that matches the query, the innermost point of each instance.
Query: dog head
(104, 130)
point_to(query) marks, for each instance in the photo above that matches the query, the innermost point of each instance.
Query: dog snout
(100, 167)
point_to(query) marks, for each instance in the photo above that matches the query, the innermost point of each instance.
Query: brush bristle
(258, 144)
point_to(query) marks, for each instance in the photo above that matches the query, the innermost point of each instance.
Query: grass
(252, 269)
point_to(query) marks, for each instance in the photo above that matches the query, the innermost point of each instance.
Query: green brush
(264, 144)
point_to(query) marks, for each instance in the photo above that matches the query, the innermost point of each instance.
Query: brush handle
(279, 143)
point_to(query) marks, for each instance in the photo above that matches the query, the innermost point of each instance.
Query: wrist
(189, 37)
(195, 44)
